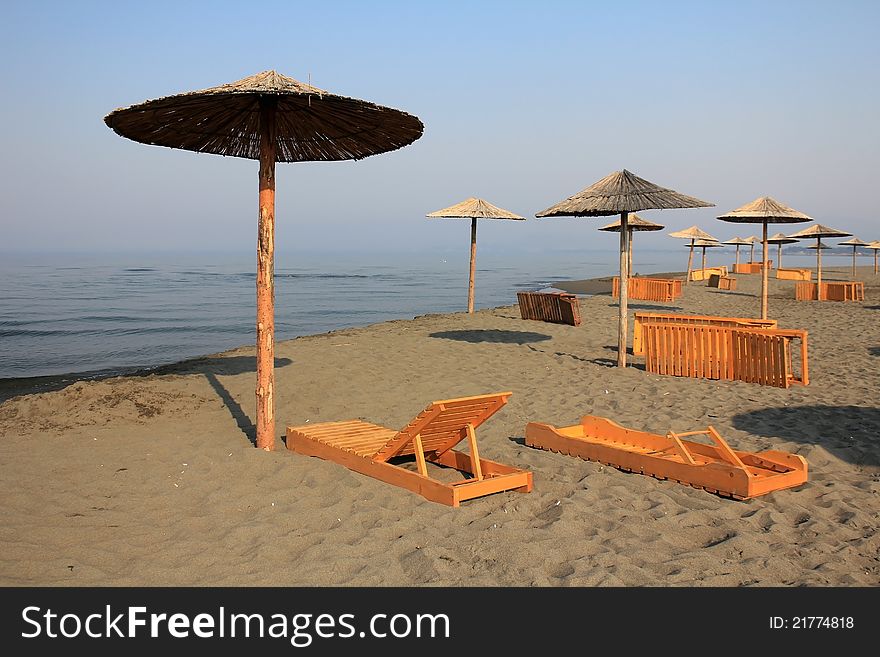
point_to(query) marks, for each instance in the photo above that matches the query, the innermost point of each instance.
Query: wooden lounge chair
(831, 291)
(716, 468)
(794, 274)
(648, 289)
(642, 317)
(368, 448)
(555, 307)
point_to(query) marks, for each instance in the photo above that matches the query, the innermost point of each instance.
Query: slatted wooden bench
(555, 307)
(721, 282)
(750, 267)
(794, 274)
(753, 355)
(705, 274)
(645, 288)
(711, 320)
(831, 291)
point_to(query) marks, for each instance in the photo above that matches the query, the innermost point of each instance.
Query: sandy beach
(153, 479)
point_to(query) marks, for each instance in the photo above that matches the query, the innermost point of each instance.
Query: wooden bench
(747, 268)
(721, 282)
(555, 307)
(754, 355)
(711, 320)
(649, 289)
(831, 291)
(794, 274)
(704, 274)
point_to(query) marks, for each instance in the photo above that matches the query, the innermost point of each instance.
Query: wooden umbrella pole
(779, 255)
(265, 280)
(704, 261)
(473, 265)
(764, 272)
(737, 256)
(690, 262)
(752, 252)
(875, 262)
(854, 262)
(624, 290)
(818, 269)
(630, 266)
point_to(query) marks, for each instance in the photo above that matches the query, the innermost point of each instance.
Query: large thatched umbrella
(271, 118)
(855, 243)
(875, 246)
(635, 223)
(473, 209)
(779, 239)
(621, 192)
(764, 210)
(693, 234)
(738, 242)
(705, 244)
(817, 232)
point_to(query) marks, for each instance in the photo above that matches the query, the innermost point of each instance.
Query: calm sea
(101, 314)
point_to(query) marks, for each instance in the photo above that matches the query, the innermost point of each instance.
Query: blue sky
(524, 103)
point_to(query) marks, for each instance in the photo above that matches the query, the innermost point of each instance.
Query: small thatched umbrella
(855, 243)
(693, 234)
(818, 231)
(705, 244)
(875, 245)
(738, 242)
(271, 118)
(779, 239)
(752, 240)
(635, 223)
(473, 209)
(764, 210)
(621, 193)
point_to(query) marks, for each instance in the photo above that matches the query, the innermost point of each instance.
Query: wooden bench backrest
(443, 424)
(649, 289)
(754, 355)
(556, 307)
(744, 322)
(794, 274)
(831, 291)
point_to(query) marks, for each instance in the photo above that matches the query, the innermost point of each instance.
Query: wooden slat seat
(368, 448)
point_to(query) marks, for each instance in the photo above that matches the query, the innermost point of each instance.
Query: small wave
(139, 269)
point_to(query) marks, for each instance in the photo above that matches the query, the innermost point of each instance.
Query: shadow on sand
(849, 432)
(492, 335)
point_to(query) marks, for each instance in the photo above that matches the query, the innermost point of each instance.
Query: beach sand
(153, 480)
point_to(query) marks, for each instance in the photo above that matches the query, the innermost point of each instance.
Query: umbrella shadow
(871, 307)
(492, 335)
(849, 432)
(874, 351)
(211, 367)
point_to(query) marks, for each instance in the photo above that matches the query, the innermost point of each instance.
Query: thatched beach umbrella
(752, 240)
(779, 239)
(621, 192)
(705, 244)
(271, 118)
(473, 209)
(817, 232)
(635, 223)
(855, 243)
(764, 210)
(693, 234)
(738, 242)
(875, 246)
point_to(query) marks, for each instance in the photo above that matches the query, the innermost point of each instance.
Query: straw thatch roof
(873, 245)
(311, 124)
(705, 243)
(818, 246)
(474, 208)
(633, 222)
(780, 238)
(693, 233)
(737, 241)
(622, 191)
(818, 230)
(855, 241)
(765, 209)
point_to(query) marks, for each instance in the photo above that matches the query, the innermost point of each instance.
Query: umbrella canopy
(473, 209)
(855, 243)
(738, 242)
(693, 234)
(271, 118)
(621, 192)
(818, 231)
(764, 210)
(779, 239)
(875, 246)
(633, 224)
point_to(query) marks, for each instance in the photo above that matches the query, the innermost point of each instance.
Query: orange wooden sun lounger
(716, 468)
(368, 448)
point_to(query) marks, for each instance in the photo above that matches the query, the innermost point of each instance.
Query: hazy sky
(524, 103)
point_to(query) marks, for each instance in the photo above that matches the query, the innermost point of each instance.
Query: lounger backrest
(443, 424)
